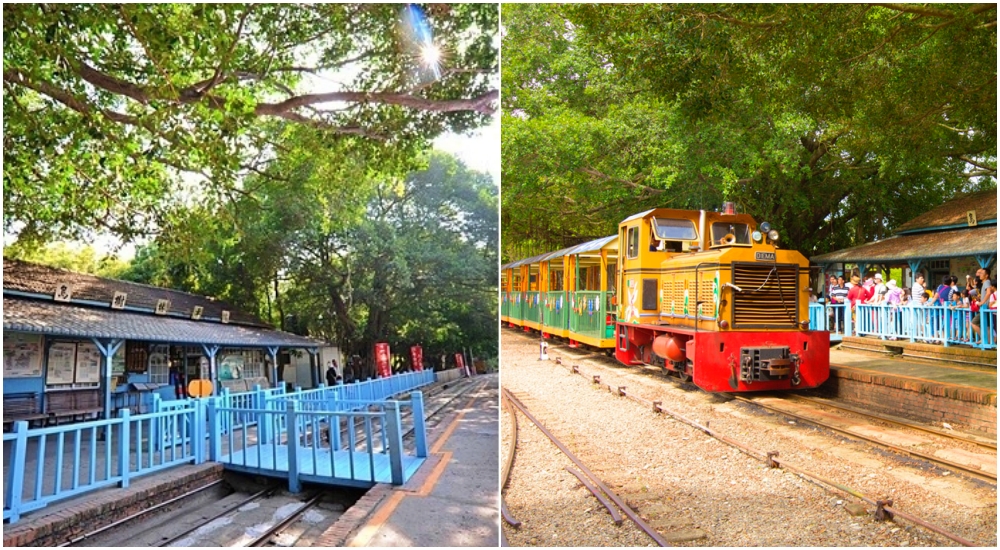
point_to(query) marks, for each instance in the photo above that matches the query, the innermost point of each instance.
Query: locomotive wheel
(685, 375)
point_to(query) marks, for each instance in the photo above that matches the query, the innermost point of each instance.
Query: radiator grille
(769, 298)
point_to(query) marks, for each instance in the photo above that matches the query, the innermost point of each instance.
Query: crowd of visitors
(978, 293)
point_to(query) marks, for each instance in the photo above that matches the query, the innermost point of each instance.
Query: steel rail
(980, 474)
(507, 516)
(598, 495)
(508, 462)
(632, 515)
(294, 516)
(882, 506)
(509, 459)
(889, 420)
(217, 515)
(139, 514)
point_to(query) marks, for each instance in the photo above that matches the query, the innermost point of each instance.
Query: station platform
(936, 392)
(454, 498)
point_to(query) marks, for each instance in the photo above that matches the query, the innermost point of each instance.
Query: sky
(479, 150)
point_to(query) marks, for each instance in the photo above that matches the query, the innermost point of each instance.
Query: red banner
(382, 360)
(460, 363)
(417, 358)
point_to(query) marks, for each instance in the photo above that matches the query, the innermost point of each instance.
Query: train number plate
(765, 256)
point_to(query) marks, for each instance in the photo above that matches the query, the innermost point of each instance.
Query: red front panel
(716, 353)
(382, 360)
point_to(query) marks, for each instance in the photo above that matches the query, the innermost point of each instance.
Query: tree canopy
(329, 248)
(833, 122)
(106, 105)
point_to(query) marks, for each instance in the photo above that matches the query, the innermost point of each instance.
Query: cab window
(633, 242)
(674, 230)
(726, 233)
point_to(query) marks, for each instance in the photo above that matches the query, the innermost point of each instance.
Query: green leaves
(165, 89)
(833, 122)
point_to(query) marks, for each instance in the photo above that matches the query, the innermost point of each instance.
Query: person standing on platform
(838, 296)
(918, 287)
(984, 296)
(177, 381)
(331, 373)
(942, 293)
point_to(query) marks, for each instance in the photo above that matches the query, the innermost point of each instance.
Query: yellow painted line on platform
(385, 511)
(432, 479)
(378, 520)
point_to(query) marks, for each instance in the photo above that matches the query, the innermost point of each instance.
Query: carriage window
(633, 242)
(730, 233)
(675, 230)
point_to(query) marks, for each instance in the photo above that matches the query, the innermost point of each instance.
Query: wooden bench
(73, 404)
(21, 406)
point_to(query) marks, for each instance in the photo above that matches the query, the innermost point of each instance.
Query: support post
(213, 373)
(419, 426)
(315, 367)
(395, 441)
(292, 424)
(14, 490)
(273, 352)
(199, 421)
(123, 447)
(214, 434)
(108, 349)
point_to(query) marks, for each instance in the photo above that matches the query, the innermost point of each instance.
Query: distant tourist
(331, 373)
(918, 286)
(943, 292)
(893, 294)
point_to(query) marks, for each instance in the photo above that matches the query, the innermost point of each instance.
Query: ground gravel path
(689, 485)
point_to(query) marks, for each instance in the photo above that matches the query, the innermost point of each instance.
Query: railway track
(882, 506)
(973, 471)
(598, 488)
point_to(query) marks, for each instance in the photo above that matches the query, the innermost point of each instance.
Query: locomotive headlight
(757, 236)
(773, 234)
(765, 227)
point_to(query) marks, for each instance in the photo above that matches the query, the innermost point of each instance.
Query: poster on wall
(231, 367)
(22, 355)
(118, 362)
(88, 364)
(62, 362)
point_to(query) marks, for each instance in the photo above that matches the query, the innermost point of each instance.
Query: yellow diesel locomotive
(707, 295)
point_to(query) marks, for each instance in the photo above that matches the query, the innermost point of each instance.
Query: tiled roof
(901, 248)
(59, 319)
(954, 212)
(42, 280)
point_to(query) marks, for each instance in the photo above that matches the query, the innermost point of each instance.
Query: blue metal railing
(89, 456)
(931, 324)
(101, 453)
(360, 427)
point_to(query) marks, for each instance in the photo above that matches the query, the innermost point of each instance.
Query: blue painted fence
(45, 465)
(932, 324)
(89, 456)
(358, 444)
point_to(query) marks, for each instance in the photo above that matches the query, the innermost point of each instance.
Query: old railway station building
(79, 346)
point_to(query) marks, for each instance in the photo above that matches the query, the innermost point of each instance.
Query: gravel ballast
(697, 490)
